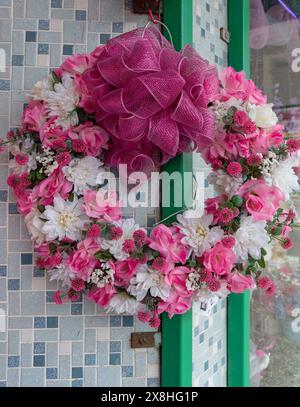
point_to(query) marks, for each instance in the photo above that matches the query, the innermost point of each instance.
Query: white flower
(47, 158)
(116, 246)
(250, 238)
(102, 275)
(62, 273)
(82, 172)
(38, 92)
(62, 101)
(197, 232)
(283, 176)
(224, 183)
(64, 219)
(148, 279)
(35, 225)
(122, 303)
(263, 115)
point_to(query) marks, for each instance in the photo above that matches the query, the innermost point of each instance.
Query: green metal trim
(177, 332)
(238, 311)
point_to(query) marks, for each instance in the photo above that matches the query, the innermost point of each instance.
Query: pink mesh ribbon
(151, 99)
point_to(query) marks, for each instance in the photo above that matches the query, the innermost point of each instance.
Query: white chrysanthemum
(122, 303)
(62, 102)
(250, 238)
(263, 115)
(115, 247)
(63, 274)
(147, 279)
(82, 172)
(224, 183)
(283, 176)
(35, 225)
(38, 92)
(197, 232)
(64, 219)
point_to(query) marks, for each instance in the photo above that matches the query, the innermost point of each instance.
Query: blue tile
(49, 296)
(206, 365)
(202, 33)
(201, 338)
(39, 322)
(3, 271)
(30, 36)
(13, 284)
(115, 359)
(17, 60)
(76, 309)
(206, 324)
(215, 309)
(77, 383)
(207, 27)
(206, 384)
(38, 272)
(44, 24)
(51, 373)
(220, 344)
(2, 384)
(80, 15)
(104, 38)
(43, 49)
(215, 368)
(56, 3)
(3, 196)
(68, 49)
(211, 341)
(207, 6)
(115, 320)
(115, 346)
(77, 372)
(223, 361)
(153, 382)
(198, 20)
(117, 27)
(127, 371)
(52, 322)
(90, 359)
(39, 360)
(26, 258)
(196, 331)
(127, 320)
(39, 348)
(4, 85)
(13, 361)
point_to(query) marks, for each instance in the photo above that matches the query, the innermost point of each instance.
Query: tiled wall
(209, 334)
(46, 344)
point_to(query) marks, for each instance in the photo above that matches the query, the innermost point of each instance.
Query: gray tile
(14, 303)
(61, 14)
(96, 321)
(32, 75)
(19, 8)
(55, 55)
(3, 364)
(93, 10)
(45, 335)
(71, 328)
(49, 37)
(109, 376)
(33, 303)
(5, 31)
(32, 377)
(52, 354)
(134, 382)
(20, 322)
(13, 226)
(26, 354)
(3, 252)
(77, 354)
(5, 12)
(18, 46)
(64, 367)
(90, 379)
(3, 289)
(13, 378)
(74, 32)
(17, 77)
(3, 217)
(4, 105)
(13, 342)
(23, 24)
(37, 9)
(111, 10)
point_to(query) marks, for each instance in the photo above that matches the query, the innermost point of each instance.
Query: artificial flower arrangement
(138, 101)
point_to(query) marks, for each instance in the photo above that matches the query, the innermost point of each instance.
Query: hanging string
(156, 22)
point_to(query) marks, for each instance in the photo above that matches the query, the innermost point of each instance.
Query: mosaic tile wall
(45, 344)
(209, 334)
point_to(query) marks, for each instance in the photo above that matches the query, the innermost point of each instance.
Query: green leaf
(103, 255)
(262, 263)
(263, 252)
(41, 208)
(52, 248)
(55, 78)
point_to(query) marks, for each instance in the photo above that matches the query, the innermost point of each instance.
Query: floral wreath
(137, 101)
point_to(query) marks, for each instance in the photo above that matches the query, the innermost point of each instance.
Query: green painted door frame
(177, 333)
(238, 310)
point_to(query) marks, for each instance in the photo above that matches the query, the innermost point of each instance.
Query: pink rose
(238, 283)
(262, 200)
(175, 304)
(25, 200)
(176, 278)
(219, 260)
(76, 64)
(124, 271)
(102, 205)
(93, 138)
(102, 296)
(212, 206)
(46, 259)
(82, 262)
(53, 136)
(55, 184)
(34, 116)
(167, 241)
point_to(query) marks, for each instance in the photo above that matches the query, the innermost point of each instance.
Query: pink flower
(287, 243)
(82, 261)
(144, 316)
(92, 138)
(249, 127)
(102, 205)
(154, 322)
(226, 215)
(55, 184)
(76, 64)
(228, 242)
(214, 285)
(254, 160)
(161, 264)
(25, 200)
(34, 116)
(47, 259)
(116, 232)
(176, 278)
(175, 304)
(234, 169)
(124, 271)
(21, 158)
(64, 159)
(102, 296)
(219, 260)
(271, 289)
(59, 297)
(78, 284)
(262, 200)
(238, 283)
(167, 241)
(293, 145)
(139, 236)
(128, 246)
(53, 136)
(263, 282)
(94, 231)
(212, 206)
(240, 118)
